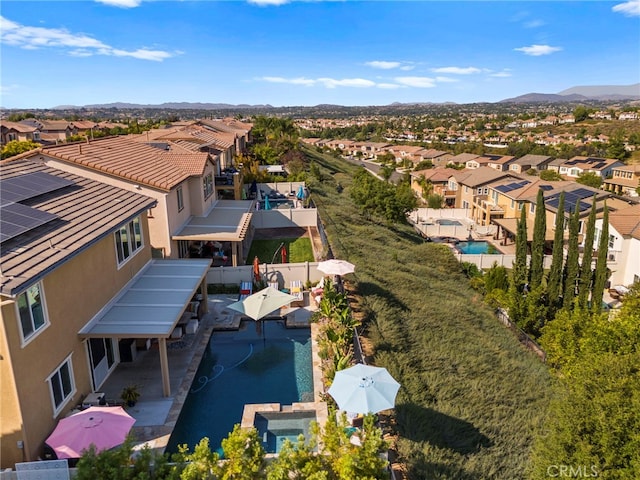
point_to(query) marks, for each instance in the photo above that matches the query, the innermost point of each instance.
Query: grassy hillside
(472, 398)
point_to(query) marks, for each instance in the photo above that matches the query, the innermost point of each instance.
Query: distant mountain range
(166, 106)
(582, 94)
(574, 94)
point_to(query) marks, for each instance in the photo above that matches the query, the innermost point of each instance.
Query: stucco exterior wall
(73, 293)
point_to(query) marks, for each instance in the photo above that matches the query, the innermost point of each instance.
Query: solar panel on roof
(546, 188)
(24, 187)
(599, 165)
(16, 219)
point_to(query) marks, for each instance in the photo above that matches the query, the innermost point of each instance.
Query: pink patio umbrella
(104, 427)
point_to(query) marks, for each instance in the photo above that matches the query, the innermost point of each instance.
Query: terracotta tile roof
(626, 221)
(432, 153)
(481, 176)
(18, 127)
(435, 174)
(531, 159)
(130, 160)
(464, 157)
(87, 211)
(191, 163)
(56, 125)
(84, 124)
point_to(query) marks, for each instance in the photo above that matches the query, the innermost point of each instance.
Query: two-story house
(528, 162)
(181, 183)
(576, 166)
(624, 245)
(51, 131)
(16, 131)
(434, 181)
(77, 284)
(624, 180)
(473, 188)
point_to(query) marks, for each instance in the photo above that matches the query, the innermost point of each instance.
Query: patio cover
(511, 226)
(228, 221)
(152, 303)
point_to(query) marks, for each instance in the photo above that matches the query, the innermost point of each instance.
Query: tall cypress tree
(600, 276)
(586, 272)
(555, 274)
(536, 269)
(572, 267)
(519, 271)
(520, 264)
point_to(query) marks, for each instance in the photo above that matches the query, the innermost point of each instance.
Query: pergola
(151, 305)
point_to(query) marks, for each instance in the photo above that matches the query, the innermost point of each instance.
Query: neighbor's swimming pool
(244, 366)
(449, 222)
(475, 247)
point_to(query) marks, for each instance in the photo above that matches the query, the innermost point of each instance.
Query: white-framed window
(485, 190)
(180, 199)
(480, 191)
(612, 240)
(574, 172)
(465, 204)
(36, 136)
(12, 136)
(466, 189)
(128, 240)
(532, 208)
(207, 185)
(513, 203)
(31, 312)
(61, 385)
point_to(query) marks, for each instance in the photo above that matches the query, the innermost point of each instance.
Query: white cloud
(121, 3)
(346, 82)
(78, 44)
(419, 82)
(407, 67)
(502, 74)
(383, 65)
(538, 50)
(628, 9)
(388, 86)
(457, 70)
(325, 81)
(268, 3)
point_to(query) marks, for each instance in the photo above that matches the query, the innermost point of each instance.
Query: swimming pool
(475, 247)
(446, 221)
(271, 364)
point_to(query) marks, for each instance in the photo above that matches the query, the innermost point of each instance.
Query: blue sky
(288, 53)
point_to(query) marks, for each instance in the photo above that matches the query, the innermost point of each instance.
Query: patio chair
(296, 291)
(246, 289)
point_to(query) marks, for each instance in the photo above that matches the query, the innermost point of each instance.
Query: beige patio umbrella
(262, 303)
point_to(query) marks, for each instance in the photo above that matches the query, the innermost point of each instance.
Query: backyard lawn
(298, 250)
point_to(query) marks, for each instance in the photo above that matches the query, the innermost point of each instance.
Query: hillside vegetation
(472, 399)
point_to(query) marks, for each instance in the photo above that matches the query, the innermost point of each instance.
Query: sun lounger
(296, 291)
(246, 289)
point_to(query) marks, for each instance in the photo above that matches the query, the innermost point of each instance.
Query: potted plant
(130, 395)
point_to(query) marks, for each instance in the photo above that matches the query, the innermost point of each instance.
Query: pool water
(260, 363)
(445, 221)
(274, 428)
(475, 247)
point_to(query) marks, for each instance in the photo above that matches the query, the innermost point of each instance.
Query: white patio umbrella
(262, 303)
(364, 389)
(336, 267)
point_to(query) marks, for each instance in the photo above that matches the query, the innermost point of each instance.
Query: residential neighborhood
(120, 231)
